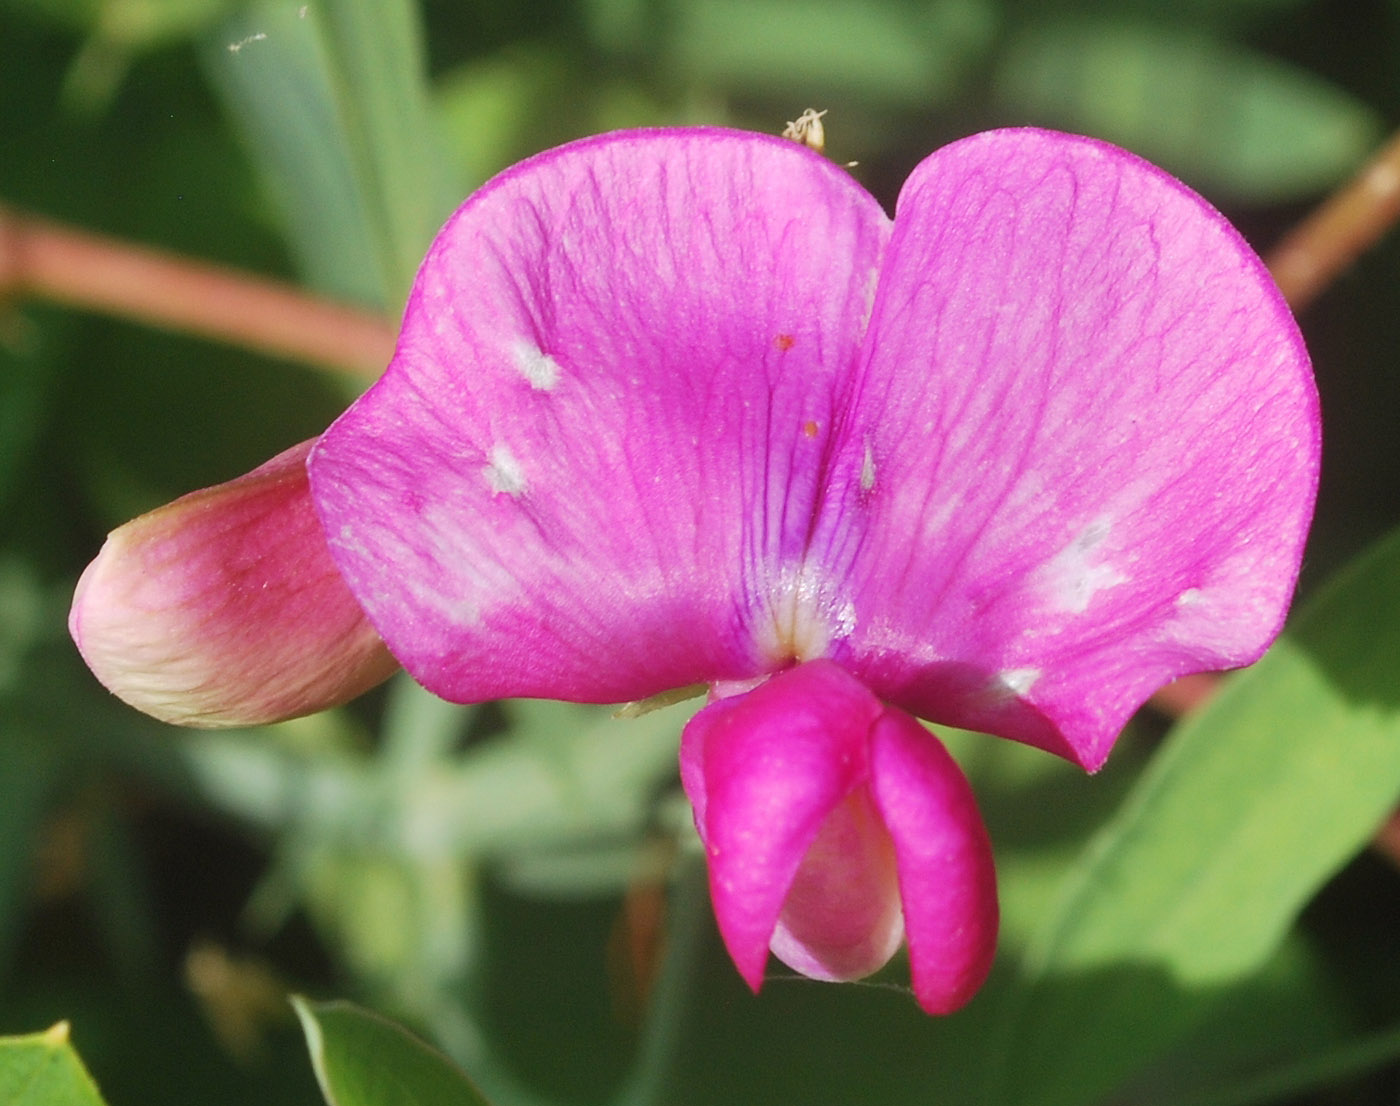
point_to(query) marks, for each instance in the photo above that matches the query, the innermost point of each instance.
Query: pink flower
(685, 406)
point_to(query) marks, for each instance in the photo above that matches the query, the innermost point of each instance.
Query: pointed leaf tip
(363, 1059)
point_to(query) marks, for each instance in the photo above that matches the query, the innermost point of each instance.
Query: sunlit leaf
(134, 23)
(362, 1059)
(1248, 809)
(1196, 12)
(801, 49)
(1222, 116)
(1289, 1010)
(26, 387)
(29, 773)
(503, 108)
(332, 99)
(42, 1069)
(1291, 1077)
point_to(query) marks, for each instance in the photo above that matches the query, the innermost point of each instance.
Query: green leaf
(362, 1059)
(1287, 1080)
(500, 109)
(1247, 810)
(32, 765)
(1194, 13)
(42, 1069)
(27, 387)
(806, 49)
(1290, 1011)
(333, 102)
(1223, 116)
(134, 23)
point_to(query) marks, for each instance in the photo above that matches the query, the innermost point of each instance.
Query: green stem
(650, 1078)
(1287, 1082)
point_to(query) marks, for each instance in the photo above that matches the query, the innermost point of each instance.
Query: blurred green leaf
(1040, 810)
(30, 770)
(1248, 809)
(419, 730)
(116, 31)
(43, 1069)
(492, 108)
(498, 110)
(362, 1059)
(407, 928)
(32, 766)
(1192, 13)
(134, 23)
(1290, 1077)
(120, 895)
(26, 612)
(1290, 1009)
(332, 100)
(1223, 116)
(26, 387)
(597, 777)
(808, 50)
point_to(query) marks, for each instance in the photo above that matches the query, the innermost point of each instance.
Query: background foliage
(1200, 924)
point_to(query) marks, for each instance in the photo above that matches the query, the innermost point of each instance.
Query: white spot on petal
(1073, 578)
(503, 472)
(867, 470)
(536, 366)
(1018, 681)
(1012, 683)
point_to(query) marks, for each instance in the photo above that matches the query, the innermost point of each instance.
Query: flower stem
(1349, 222)
(89, 271)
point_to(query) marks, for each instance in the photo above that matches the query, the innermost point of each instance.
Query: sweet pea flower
(686, 407)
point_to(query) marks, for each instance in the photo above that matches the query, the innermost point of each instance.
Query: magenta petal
(1084, 449)
(224, 608)
(946, 876)
(591, 469)
(763, 771)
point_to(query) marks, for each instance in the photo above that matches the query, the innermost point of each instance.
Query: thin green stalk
(1290, 1080)
(648, 1083)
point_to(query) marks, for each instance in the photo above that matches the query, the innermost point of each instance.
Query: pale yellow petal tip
(57, 1035)
(223, 609)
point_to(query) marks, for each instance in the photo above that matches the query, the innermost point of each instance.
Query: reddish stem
(95, 273)
(1387, 841)
(1346, 225)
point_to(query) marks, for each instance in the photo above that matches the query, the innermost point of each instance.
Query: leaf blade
(1247, 810)
(362, 1059)
(333, 104)
(43, 1069)
(1224, 117)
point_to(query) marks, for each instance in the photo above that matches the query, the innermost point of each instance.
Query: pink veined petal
(842, 917)
(1083, 453)
(591, 469)
(223, 608)
(947, 880)
(763, 771)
